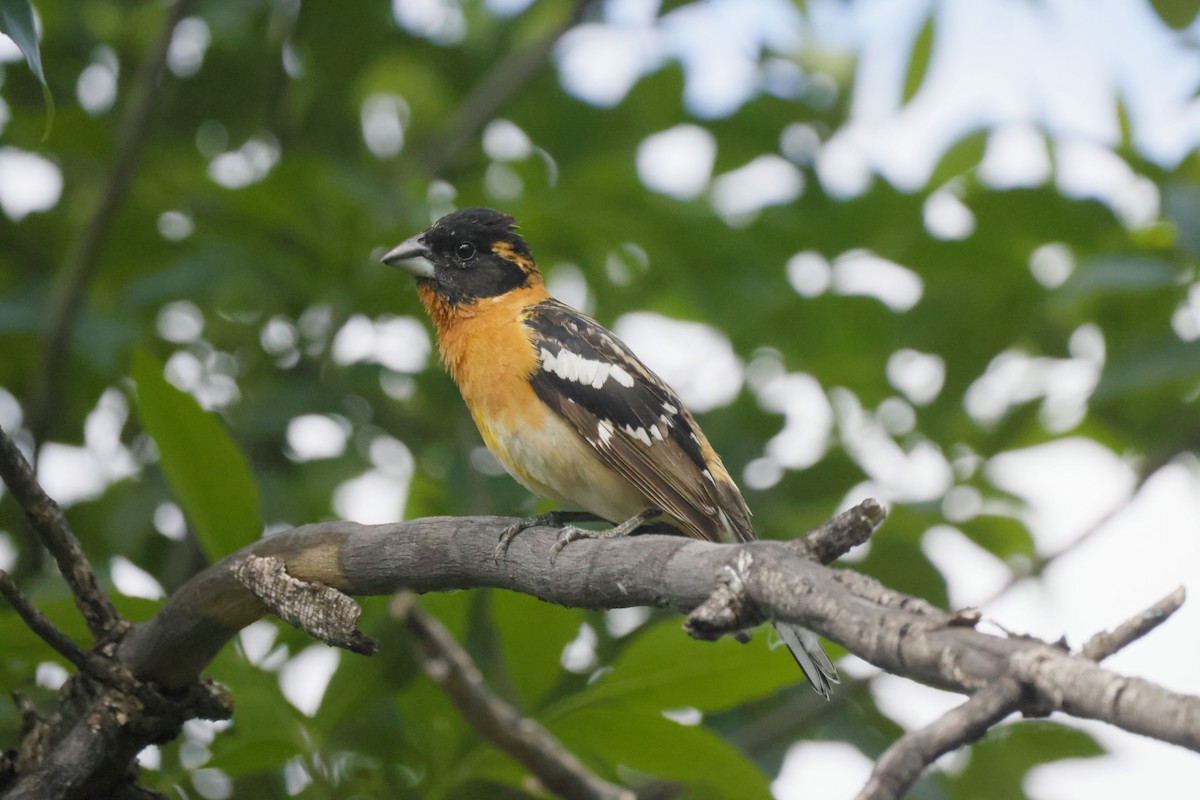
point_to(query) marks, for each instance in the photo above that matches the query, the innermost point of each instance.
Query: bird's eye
(465, 251)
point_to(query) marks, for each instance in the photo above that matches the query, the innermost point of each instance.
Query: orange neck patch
(487, 349)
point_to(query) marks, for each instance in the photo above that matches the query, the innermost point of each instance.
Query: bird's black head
(468, 255)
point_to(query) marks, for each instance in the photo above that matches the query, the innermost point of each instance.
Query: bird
(567, 408)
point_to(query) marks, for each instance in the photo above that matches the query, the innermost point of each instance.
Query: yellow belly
(552, 460)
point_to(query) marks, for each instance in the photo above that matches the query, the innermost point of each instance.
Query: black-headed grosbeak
(565, 406)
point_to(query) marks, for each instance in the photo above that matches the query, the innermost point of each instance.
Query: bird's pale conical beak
(412, 256)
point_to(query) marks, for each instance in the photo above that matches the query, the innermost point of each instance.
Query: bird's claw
(506, 537)
(568, 534)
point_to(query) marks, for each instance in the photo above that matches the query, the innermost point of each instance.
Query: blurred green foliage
(273, 270)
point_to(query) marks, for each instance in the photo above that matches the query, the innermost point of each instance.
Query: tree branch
(48, 522)
(1104, 644)
(901, 634)
(902, 763)
(525, 740)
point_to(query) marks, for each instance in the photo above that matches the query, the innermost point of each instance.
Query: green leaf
(16, 20)
(206, 470)
(665, 668)
(918, 63)
(1001, 536)
(533, 635)
(1122, 274)
(1158, 364)
(1000, 761)
(267, 730)
(1177, 14)
(961, 158)
(648, 742)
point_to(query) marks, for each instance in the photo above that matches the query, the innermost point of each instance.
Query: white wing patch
(622, 377)
(585, 371)
(639, 433)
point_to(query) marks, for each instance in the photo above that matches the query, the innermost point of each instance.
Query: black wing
(634, 421)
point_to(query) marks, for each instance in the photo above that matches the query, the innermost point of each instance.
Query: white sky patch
(398, 343)
(800, 143)
(150, 757)
(189, 43)
(695, 359)
(861, 272)
(205, 373)
(808, 421)
(1083, 497)
(918, 375)
(8, 551)
(304, 679)
(600, 63)
(1086, 169)
(175, 226)
(567, 282)
(371, 498)
(383, 118)
(1015, 157)
(809, 273)
(28, 183)
(947, 217)
(316, 436)
(257, 639)
(133, 581)
(909, 704)
(503, 140)
(11, 414)
(249, 164)
(1185, 321)
(843, 166)
(503, 182)
(180, 322)
(50, 675)
(919, 474)
(169, 521)
(392, 457)
(677, 162)
(828, 770)
(1051, 264)
(440, 21)
(96, 88)
(768, 180)
(72, 474)
(972, 574)
(1065, 384)
(579, 654)
(623, 621)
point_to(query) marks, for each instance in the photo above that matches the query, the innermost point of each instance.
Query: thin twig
(1105, 643)
(854, 526)
(48, 522)
(494, 90)
(77, 270)
(451, 667)
(901, 764)
(38, 623)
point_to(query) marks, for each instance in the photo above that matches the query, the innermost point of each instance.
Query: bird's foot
(572, 533)
(551, 519)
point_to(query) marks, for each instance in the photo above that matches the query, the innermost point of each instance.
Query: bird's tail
(810, 656)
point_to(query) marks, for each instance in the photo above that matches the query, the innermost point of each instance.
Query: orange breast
(489, 354)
